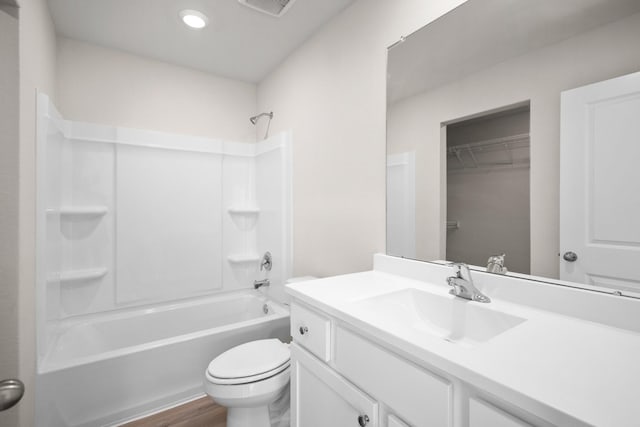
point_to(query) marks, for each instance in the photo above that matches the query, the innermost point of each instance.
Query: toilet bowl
(247, 378)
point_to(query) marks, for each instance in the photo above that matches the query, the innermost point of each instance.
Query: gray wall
(491, 203)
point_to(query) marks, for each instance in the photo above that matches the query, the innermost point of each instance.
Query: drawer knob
(303, 330)
(363, 420)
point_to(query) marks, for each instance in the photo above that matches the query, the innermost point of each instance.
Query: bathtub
(110, 368)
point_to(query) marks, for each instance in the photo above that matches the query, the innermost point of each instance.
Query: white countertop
(583, 371)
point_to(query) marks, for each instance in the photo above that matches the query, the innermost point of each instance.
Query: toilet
(247, 378)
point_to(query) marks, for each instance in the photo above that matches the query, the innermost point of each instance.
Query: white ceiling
(239, 43)
(481, 33)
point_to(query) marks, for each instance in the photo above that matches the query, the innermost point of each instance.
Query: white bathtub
(110, 368)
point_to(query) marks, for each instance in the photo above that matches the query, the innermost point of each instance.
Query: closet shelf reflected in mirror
(453, 225)
(506, 152)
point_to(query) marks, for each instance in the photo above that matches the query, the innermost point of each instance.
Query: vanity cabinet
(323, 398)
(483, 414)
(341, 378)
(393, 421)
(419, 396)
(312, 331)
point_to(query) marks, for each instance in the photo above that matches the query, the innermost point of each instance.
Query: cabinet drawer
(312, 331)
(421, 398)
(483, 414)
(322, 398)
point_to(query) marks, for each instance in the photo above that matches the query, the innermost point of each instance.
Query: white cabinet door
(393, 421)
(420, 397)
(600, 184)
(322, 398)
(482, 414)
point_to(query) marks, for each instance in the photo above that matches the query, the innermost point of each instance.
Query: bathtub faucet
(260, 283)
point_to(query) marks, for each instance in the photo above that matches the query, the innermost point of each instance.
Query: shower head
(254, 119)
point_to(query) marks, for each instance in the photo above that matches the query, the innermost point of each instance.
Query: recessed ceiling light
(194, 19)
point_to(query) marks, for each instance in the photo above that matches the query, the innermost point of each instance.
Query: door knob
(11, 392)
(363, 420)
(570, 256)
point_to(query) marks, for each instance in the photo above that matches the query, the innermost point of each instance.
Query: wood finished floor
(202, 412)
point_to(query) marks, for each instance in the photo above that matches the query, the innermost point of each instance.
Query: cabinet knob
(363, 420)
(303, 330)
(570, 256)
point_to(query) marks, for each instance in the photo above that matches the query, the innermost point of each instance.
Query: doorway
(9, 187)
(487, 190)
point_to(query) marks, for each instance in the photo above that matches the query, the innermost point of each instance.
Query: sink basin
(453, 319)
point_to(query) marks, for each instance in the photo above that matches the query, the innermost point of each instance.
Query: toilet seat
(249, 379)
(249, 394)
(250, 362)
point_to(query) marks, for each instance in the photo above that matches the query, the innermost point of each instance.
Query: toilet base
(257, 416)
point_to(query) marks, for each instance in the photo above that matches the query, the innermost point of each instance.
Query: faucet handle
(458, 288)
(495, 264)
(267, 261)
(459, 267)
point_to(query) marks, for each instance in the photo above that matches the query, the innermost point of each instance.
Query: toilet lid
(251, 359)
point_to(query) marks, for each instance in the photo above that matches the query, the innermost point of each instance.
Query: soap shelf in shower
(235, 210)
(243, 258)
(79, 211)
(77, 275)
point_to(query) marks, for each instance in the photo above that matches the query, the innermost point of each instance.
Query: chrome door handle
(11, 391)
(570, 256)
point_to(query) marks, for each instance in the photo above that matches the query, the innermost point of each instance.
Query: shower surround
(133, 223)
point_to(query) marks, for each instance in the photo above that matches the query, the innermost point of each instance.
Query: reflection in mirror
(488, 188)
(482, 105)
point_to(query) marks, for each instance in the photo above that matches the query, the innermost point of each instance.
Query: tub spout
(260, 283)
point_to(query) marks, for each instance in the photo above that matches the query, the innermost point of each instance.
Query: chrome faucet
(463, 286)
(260, 283)
(495, 264)
(265, 264)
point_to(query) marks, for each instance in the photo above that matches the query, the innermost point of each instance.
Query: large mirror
(513, 127)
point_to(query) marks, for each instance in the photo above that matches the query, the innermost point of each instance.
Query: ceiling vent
(275, 8)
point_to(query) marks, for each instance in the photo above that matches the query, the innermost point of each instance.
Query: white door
(600, 184)
(401, 204)
(9, 147)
